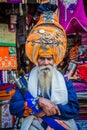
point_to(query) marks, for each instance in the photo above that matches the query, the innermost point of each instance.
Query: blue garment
(68, 111)
(71, 109)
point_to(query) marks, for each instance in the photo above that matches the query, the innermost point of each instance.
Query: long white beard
(45, 79)
(59, 92)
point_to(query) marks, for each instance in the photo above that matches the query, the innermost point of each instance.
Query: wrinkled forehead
(45, 57)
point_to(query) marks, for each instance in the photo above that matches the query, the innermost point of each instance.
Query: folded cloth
(82, 71)
(6, 96)
(80, 86)
(6, 86)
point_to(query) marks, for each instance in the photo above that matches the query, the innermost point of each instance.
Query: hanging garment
(8, 58)
(72, 16)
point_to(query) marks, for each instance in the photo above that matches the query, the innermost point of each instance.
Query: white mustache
(48, 67)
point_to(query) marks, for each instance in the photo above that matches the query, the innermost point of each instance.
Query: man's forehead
(45, 56)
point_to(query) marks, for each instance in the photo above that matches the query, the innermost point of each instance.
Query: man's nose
(46, 62)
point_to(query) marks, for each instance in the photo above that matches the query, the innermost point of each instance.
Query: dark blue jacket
(68, 111)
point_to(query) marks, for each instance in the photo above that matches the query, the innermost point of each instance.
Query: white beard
(45, 79)
(58, 91)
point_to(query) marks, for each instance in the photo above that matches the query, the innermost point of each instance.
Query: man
(53, 94)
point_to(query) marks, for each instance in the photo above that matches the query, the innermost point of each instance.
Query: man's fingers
(58, 111)
(41, 114)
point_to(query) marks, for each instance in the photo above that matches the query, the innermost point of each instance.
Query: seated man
(53, 94)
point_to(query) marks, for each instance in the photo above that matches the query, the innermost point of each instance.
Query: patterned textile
(47, 33)
(69, 17)
(6, 96)
(82, 71)
(8, 59)
(73, 53)
(6, 119)
(3, 77)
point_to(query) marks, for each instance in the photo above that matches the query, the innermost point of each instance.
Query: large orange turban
(47, 37)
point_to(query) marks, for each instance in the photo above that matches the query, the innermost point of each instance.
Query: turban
(47, 37)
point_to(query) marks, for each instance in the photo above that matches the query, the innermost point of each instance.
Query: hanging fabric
(6, 119)
(72, 16)
(8, 58)
(14, 1)
(7, 38)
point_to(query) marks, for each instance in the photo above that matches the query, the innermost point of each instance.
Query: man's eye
(41, 58)
(49, 58)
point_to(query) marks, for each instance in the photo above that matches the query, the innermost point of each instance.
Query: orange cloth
(46, 37)
(73, 54)
(45, 52)
(7, 61)
(27, 110)
(6, 96)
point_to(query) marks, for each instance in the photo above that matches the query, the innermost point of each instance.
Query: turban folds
(47, 37)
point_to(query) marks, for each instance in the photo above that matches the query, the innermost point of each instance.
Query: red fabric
(5, 86)
(82, 71)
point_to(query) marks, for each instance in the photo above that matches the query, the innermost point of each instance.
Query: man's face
(45, 67)
(45, 60)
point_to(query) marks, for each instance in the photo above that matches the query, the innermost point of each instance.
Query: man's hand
(48, 107)
(27, 110)
(41, 114)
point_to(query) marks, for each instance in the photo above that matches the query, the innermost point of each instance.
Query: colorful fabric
(82, 71)
(46, 34)
(69, 17)
(3, 77)
(8, 59)
(6, 96)
(6, 86)
(6, 119)
(80, 86)
(73, 53)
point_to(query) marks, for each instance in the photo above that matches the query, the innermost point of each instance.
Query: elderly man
(56, 96)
